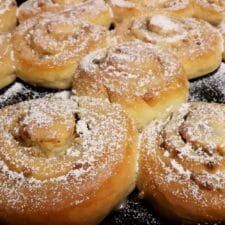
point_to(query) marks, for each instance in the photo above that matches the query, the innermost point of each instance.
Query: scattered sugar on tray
(62, 94)
(211, 88)
(18, 92)
(13, 90)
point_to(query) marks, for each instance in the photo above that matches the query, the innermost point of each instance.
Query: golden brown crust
(95, 11)
(212, 11)
(143, 78)
(7, 74)
(127, 9)
(64, 161)
(196, 43)
(7, 15)
(48, 48)
(181, 165)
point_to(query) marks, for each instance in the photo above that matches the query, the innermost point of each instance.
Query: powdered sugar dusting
(18, 92)
(97, 146)
(211, 88)
(188, 38)
(81, 9)
(183, 151)
(62, 94)
(118, 69)
(56, 39)
(15, 88)
(164, 22)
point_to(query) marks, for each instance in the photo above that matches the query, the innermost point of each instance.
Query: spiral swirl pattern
(192, 41)
(135, 74)
(59, 158)
(182, 163)
(48, 49)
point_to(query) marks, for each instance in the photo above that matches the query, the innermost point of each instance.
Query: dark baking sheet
(133, 211)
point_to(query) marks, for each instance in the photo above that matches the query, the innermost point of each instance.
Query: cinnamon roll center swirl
(169, 32)
(131, 69)
(48, 131)
(205, 132)
(182, 163)
(54, 36)
(41, 133)
(197, 142)
(164, 25)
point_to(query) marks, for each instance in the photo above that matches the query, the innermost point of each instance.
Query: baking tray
(133, 211)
